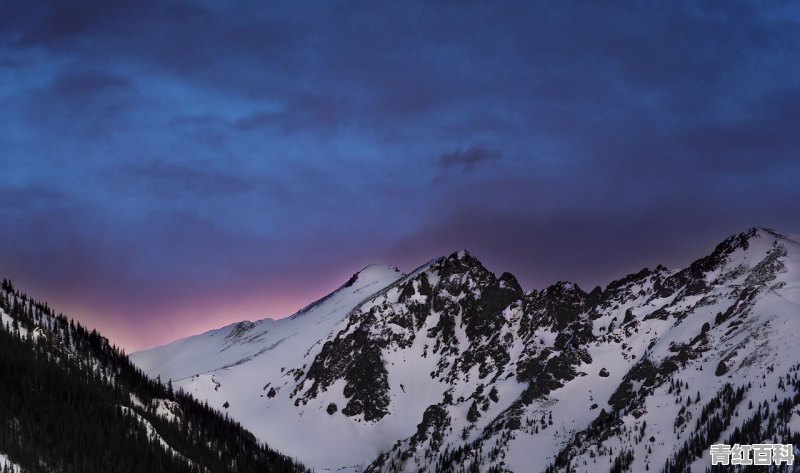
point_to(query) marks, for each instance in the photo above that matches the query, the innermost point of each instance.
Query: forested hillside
(72, 402)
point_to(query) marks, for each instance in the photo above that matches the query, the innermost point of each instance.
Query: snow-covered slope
(251, 368)
(452, 367)
(271, 341)
(6, 463)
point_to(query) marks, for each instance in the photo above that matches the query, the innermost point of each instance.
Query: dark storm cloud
(468, 158)
(170, 151)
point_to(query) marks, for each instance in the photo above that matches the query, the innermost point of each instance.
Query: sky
(170, 167)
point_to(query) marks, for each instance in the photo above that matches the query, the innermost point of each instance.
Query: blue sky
(168, 167)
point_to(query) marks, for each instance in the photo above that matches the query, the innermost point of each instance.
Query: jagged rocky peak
(481, 296)
(454, 294)
(462, 271)
(626, 290)
(557, 305)
(508, 281)
(733, 257)
(754, 242)
(742, 240)
(464, 255)
(564, 287)
(458, 262)
(633, 278)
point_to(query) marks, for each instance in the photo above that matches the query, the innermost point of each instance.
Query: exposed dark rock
(722, 368)
(351, 281)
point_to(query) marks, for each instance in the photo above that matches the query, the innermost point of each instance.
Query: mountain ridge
(440, 365)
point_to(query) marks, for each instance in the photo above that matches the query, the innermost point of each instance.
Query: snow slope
(453, 367)
(241, 364)
(4, 462)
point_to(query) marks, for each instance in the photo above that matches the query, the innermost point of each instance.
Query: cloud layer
(181, 165)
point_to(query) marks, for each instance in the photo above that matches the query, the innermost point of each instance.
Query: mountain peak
(744, 238)
(753, 241)
(460, 261)
(461, 255)
(743, 241)
(464, 257)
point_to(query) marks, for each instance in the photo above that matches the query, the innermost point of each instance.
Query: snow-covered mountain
(451, 368)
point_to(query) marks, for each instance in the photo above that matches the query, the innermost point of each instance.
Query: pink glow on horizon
(132, 334)
(195, 320)
(156, 321)
(140, 314)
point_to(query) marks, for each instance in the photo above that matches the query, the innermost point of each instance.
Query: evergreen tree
(65, 405)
